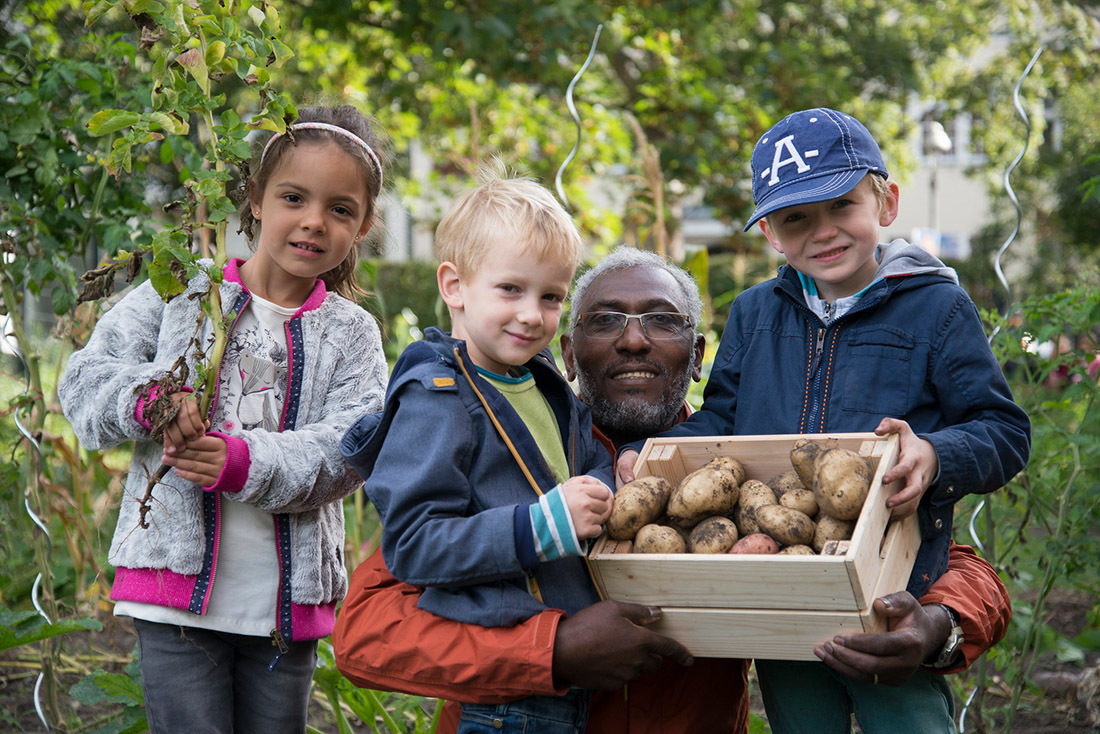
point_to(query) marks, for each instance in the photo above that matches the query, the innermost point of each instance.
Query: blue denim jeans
(566, 714)
(808, 697)
(198, 680)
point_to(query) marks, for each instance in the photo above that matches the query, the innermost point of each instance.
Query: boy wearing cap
(853, 335)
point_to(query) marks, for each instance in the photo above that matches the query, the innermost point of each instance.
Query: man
(635, 386)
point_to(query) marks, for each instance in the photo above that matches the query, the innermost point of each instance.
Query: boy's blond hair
(504, 205)
(880, 187)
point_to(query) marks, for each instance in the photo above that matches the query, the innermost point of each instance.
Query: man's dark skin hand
(914, 634)
(607, 645)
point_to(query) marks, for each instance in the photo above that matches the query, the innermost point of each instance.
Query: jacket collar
(232, 273)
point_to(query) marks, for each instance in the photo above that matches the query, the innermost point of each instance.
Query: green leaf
(215, 52)
(169, 123)
(22, 628)
(93, 11)
(195, 64)
(109, 121)
(151, 7)
(62, 300)
(164, 282)
(102, 686)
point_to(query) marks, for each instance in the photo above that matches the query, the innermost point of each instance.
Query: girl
(241, 566)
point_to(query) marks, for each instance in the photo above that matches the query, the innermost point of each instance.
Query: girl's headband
(332, 129)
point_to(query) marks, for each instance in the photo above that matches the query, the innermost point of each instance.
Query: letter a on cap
(794, 157)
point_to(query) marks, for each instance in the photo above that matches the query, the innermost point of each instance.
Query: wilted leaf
(109, 121)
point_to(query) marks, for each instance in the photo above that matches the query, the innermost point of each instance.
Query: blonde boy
(482, 465)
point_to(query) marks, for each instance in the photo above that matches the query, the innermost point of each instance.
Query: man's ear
(450, 285)
(889, 211)
(771, 236)
(568, 358)
(700, 349)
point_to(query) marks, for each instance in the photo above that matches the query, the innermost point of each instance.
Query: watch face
(954, 640)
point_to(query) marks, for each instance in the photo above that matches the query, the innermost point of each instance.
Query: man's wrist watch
(953, 643)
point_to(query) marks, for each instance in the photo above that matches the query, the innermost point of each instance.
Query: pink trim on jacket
(169, 589)
(150, 396)
(234, 472)
(232, 273)
(313, 621)
(153, 586)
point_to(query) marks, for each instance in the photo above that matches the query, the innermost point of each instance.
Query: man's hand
(200, 461)
(917, 464)
(912, 635)
(624, 469)
(589, 502)
(606, 645)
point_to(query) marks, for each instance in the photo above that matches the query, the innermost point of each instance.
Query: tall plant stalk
(194, 46)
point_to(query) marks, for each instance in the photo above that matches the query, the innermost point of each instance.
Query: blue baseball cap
(811, 156)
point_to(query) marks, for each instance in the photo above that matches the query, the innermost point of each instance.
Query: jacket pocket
(876, 372)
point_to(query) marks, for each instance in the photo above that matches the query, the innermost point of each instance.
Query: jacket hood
(899, 258)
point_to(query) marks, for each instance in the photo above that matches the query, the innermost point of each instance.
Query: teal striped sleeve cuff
(555, 536)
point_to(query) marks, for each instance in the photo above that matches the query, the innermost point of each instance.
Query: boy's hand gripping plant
(196, 49)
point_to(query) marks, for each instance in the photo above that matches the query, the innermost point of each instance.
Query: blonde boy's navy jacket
(453, 498)
(913, 348)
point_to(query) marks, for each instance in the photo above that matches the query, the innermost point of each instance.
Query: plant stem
(1027, 651)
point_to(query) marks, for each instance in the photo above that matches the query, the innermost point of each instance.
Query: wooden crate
(765, 606)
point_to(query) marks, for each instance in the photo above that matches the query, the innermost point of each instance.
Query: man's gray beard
(634, 418)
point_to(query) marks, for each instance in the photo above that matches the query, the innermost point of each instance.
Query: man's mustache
(634, 363)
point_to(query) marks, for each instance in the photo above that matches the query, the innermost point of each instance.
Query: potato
(730, 464)
(713, 535)
(753, 493)
(704, 492)
(803, 454)
(789, 527)
(785, 482)
(757, 543)
(636, 504)
(801, 500)
(797, 550)
(829, 528)
(658, 539)
(842, 479)
(746, 523)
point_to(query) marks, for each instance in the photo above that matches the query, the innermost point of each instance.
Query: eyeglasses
(611, 324)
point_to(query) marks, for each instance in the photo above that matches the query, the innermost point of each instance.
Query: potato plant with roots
(195, 50)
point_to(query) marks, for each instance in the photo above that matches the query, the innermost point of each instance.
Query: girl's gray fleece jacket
(336, 372)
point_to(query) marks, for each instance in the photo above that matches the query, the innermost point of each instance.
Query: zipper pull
(279, 641)
(820, 342)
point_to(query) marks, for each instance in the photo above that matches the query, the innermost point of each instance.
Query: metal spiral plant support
(575, 116)
(1011, 237)
(1008, 291)
(35, 588)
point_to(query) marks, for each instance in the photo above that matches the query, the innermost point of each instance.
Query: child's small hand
(201, 460)
(917, 464)
(187, 426)
(624, 468)
(589, 502)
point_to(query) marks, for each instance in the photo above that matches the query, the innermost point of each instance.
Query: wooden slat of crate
(777, 634)
(750, 582)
